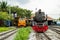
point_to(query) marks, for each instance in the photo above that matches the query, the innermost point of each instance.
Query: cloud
(23, 1)
(50, 7)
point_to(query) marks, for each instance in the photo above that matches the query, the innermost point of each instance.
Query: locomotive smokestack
(35, 9)
(39, 11)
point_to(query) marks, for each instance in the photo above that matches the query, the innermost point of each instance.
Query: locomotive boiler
(39, 23)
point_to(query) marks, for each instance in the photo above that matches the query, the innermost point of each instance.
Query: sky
(50, 7)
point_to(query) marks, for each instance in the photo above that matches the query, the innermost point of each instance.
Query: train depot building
(49, 20)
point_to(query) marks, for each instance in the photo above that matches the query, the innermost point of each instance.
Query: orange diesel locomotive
(21, 22)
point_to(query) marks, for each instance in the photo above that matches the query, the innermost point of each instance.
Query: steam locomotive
(39, 23)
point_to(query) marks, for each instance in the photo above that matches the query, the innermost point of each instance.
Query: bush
(23, 33)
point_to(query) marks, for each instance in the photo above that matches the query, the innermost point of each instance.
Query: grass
(3, 29)
(23, 33)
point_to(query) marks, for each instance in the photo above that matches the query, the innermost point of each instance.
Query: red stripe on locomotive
(40, 29)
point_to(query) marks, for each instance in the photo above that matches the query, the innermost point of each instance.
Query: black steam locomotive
(39, 23)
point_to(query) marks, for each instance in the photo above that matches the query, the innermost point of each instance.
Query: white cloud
(50, 7)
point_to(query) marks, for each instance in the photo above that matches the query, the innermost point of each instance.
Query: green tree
(5, 16)
(3, 6)
(28, 13)
(21, 12)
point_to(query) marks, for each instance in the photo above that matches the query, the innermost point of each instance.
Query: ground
(53, 33)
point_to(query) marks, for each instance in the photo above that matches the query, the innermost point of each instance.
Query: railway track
(42, 36)
(57, 31)
(55, 28)
(48, 35)
(7, 34)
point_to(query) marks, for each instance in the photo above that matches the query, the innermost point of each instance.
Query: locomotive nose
(40, 28)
